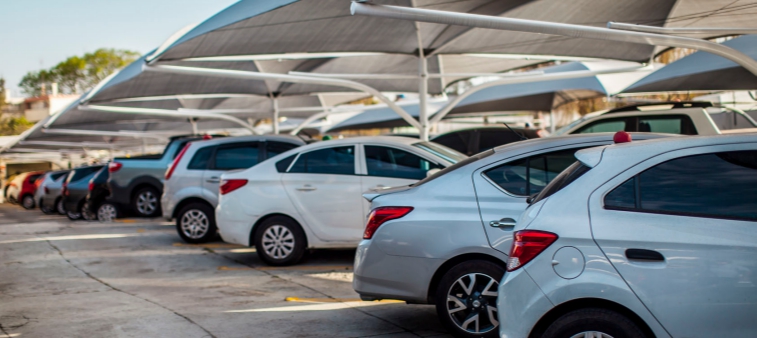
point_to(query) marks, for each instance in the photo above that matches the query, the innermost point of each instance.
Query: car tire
(27, 202)
(47, 210)
(280, 241)
(466, 299)
(146, 202)
(196, 223)
(107, 212)
(74, 216)
(597, 321)
(86, 212)
(60, 207)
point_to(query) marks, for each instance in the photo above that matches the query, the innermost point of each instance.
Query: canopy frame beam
(679, 30)
(121, 133)
(183, 113)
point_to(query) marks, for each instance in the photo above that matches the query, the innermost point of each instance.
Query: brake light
(230, 185)
(65, 189)
(176, 161)
(528, 244)
(91, 186)
(382, 215)
(114, 166)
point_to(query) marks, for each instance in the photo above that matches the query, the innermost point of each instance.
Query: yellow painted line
(125, 221)
(234, 268)
(243, 250)
(308, 268)
(140, 230)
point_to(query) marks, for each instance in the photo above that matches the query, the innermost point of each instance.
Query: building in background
(40, 107)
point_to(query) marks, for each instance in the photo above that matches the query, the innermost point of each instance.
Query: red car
(28, 188)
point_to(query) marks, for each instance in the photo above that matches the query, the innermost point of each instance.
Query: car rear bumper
(520, 304)
(234, 230)
(378, 275)
(118, 194)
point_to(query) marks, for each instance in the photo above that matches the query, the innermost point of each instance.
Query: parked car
(96, 205)
(190, 192)
(137, 182)
(686, 118)
(28, 188)
(48, 195)
(309, 197)
(652, 239)
(450, 233)
(75, 191)
(475, 140)
(8, 186)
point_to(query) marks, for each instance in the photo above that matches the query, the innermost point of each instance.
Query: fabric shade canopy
(382, 117)
(703, 71)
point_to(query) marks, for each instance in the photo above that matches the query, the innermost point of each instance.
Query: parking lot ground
(135, 278)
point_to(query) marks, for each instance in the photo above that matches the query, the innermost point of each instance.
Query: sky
(37, 34)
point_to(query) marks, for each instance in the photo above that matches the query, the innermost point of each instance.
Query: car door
(387, 166)
(502, 188)
(681, 229)
(194, 174)
(326, 191)
(231, 156)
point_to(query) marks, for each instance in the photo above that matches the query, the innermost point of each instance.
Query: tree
(77, 73)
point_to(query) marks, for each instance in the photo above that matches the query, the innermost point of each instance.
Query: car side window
(335, 161)
(718, 185)
(274, 148)
(669, 124)
(528, 176)
(200, 159)
(606, 125)
(457, 140)
(392, 162)
(239, 156)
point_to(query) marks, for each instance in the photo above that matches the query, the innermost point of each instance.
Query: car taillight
(230, 185)
(91, 186)
(47, 190)
(176, 161)
(114, 166)
(380, 216)
(528, 244)
(65, 189)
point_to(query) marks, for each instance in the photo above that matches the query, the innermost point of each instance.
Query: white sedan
(310, 197)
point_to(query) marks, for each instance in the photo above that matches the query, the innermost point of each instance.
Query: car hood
(371, 194)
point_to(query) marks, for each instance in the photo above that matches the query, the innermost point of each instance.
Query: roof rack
(668, 105)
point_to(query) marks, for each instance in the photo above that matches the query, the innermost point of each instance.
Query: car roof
(545, 142)
(635, 152)
(366, 139)
(223, 140)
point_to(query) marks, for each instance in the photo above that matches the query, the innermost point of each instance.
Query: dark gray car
(75, 190)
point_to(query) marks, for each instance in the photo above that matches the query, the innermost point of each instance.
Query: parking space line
(307, 268)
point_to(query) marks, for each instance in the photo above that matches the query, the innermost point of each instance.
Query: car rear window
(56, 176)
(83, 172)
(454, 167)
(565, 178)
(283, 165)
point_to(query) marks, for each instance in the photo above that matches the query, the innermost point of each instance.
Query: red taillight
(175, 162)
(528, 244)
(47, 190)
(65, 189)
(230, 185)
(91, 186)
(380, 216)
(114, 166)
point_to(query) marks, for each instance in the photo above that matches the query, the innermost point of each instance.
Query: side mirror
(431, 172)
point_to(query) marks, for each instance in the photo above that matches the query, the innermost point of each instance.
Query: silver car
(639, 240)
(48, 195)
(445, 240)
(190, 188)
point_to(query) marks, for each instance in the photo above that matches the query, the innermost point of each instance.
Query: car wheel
(86, 212)
(595, 323)
(27, 202)
(280, 241)
(107, 212)
(73, 215)
(60, 207)
(146, 203)
(196, 223)
(466, 299)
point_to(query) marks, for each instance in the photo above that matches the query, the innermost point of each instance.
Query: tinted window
(731, 120)
(181, 145)
(565, 178)
(281, 166)
(608, 125)
(455, 166)
(678, 124)
(56, 176)
(83, 172)
(236, 157)
(338, 161)
(495, 138)
(391, 162)
(530, 175)
(712, 185)
(200, 159)
(275, 148)
(624, 196)
(458, 141)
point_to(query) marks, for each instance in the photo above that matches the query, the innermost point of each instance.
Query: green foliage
(3, 95)
(14, 125)
(77, 74)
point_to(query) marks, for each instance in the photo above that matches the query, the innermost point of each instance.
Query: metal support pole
(552, 122)
(194, 126)
(308, 120)
(275, 118)
(423, 96)
(551, 28)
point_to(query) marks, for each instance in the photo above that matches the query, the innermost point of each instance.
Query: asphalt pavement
(135, 278)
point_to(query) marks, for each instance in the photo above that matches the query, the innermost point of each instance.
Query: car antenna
(514, 132)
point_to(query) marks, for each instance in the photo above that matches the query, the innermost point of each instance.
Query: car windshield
(449, 155)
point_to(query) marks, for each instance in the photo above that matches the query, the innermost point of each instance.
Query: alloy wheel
(106, 213)
(147, 203)
(472, 303)
(278, 242)
(61, 208)
(73, 215)
(591, 334)
(28, 202)
(195, 224)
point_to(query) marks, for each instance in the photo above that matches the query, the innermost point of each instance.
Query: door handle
(307, 187)
(644, 255)
(504, 224)
(213, 180)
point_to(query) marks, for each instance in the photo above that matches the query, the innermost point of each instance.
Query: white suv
(190, 188)
(649, 239)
